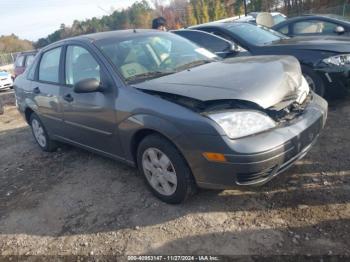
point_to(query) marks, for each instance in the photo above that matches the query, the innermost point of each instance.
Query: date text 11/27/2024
(173, 258)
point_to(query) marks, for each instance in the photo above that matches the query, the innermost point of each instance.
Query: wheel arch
(134, 129)
(27, 114)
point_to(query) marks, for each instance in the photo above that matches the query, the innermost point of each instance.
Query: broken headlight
(240, 123)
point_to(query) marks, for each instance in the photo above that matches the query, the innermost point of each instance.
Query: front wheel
(315, 82)
(165, 170)
(40, 134)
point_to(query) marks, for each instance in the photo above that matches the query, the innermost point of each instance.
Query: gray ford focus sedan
(184, 117)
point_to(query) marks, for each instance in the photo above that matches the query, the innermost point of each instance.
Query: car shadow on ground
(72, 191)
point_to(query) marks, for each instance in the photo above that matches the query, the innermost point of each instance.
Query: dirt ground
(75, 202)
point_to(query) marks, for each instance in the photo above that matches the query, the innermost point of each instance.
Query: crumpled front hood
(263, 80)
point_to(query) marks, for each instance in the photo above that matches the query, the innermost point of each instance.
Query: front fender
(129, 127)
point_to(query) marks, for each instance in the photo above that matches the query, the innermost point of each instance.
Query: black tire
(50, 144)
(319, 85)
(185, 182)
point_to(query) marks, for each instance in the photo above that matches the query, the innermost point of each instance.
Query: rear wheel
(40, 134)
(315, 82)
(165, 170)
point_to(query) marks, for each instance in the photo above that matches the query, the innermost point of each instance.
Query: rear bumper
(254, 160)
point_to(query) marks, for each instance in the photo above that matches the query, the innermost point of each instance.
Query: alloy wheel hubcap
(38, 131)
(159, 171)
(310, 82)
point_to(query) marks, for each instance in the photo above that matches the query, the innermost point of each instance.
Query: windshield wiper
(149, 75)
(193, 64)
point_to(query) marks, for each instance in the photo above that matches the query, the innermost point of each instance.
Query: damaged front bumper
(255, 159)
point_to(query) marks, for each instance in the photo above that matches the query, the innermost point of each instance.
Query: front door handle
(36, 90)
(68, 98)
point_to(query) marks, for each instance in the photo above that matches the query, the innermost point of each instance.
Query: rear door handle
(68, 98)
(36, 90)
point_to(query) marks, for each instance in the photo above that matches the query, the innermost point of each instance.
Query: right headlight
(240, 123)
(338, 60)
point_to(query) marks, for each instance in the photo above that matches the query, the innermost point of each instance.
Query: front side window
(314, 27)
(80, 65)
(150, 56)
(284, 30)
(255, 34)
(207, 40)
(49, 66)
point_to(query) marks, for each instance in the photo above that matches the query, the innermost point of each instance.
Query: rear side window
(49, 66)
(314, 27)
(29, 60)
(19, 61)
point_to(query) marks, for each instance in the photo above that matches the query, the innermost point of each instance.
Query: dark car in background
(314, 25)
(23, 60)
(325, 60)
(180, 114)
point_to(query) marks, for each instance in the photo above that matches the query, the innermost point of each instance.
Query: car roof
(255, 14)
(113, 34)
(314, 16)
(219, 24)
(31, 52)
(108, 35)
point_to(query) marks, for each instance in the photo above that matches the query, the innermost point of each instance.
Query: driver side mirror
(87, 86)
(339, 30)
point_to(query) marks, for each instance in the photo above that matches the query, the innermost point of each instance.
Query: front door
(89, 118)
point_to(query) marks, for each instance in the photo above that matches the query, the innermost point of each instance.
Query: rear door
(89, 118)
(46, 90)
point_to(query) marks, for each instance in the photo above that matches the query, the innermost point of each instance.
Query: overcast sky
(32, 19)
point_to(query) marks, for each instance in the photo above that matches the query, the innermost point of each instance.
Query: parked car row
(175, 110)
(325, 60)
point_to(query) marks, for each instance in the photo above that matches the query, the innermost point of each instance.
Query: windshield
(255, 34)
(145, 56)
(278, 19)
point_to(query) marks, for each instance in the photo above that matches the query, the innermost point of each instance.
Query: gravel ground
(75, 202)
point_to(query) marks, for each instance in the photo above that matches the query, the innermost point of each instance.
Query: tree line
(179, 13)
(12, 44)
